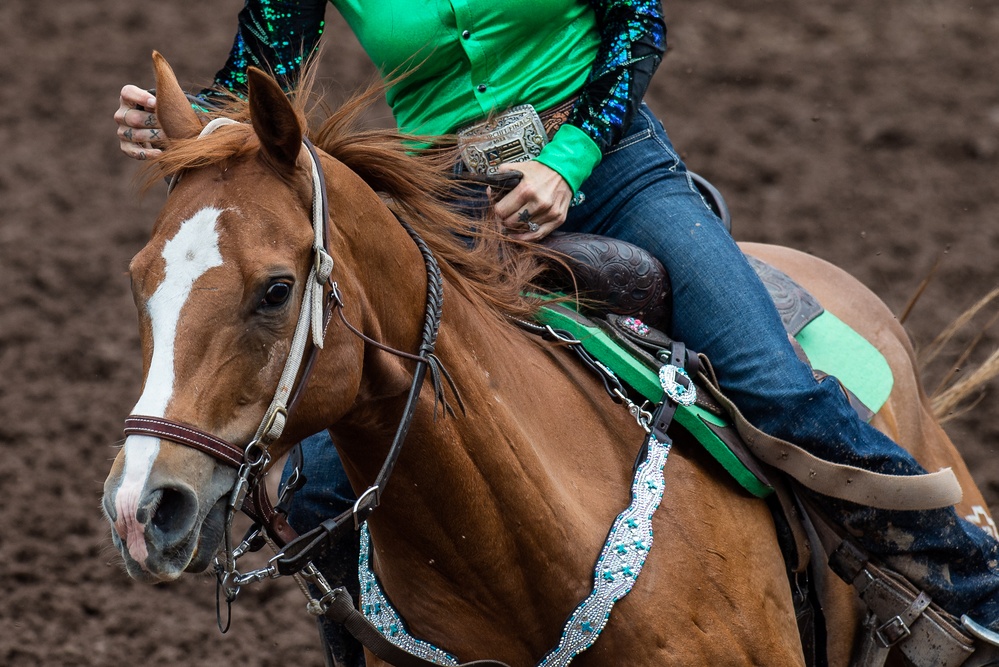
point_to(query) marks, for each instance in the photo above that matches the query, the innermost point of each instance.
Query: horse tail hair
(954, 396)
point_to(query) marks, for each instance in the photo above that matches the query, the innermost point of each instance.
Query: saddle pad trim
(601, 346)
(646, 382)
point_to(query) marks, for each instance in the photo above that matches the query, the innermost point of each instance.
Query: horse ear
(172, 108)
(274, 120)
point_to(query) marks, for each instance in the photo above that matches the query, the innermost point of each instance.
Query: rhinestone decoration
(376, 607)
(620, 562)
(618, 566)
(636, 325)
(676, 391)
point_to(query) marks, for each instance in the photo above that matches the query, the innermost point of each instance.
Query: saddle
(633, 290)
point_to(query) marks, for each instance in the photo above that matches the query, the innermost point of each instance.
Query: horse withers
(485, 541)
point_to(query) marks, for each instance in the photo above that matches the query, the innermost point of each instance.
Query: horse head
(218, 287)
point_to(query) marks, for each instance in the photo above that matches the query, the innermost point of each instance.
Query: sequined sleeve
(633, 41)
(276, 36)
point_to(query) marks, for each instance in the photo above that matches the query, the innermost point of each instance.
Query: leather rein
(296, 552)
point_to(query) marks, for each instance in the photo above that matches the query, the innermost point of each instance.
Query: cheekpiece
(516, 135)
(673, 389)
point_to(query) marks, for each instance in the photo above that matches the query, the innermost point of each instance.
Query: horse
(486, 539)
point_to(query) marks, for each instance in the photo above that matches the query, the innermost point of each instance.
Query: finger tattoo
(150, 121)
(127, 134)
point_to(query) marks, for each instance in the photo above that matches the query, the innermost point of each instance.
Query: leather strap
(927, 635)
(257, 505)
(184, 434)
(553, 117)
(342, 611)
(837, 480)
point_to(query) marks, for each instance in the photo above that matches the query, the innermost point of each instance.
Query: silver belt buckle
(515, 135)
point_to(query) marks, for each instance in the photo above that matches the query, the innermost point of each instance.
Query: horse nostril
(169, 512)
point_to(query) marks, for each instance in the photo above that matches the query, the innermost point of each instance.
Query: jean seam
(664, 146)
(676, 160)
(631, 141)
(647, 133)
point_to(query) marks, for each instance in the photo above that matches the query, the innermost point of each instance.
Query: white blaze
(192, 251)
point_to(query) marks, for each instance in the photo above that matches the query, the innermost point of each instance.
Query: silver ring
(525, 217)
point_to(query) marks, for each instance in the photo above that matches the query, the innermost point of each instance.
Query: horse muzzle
(164, 524)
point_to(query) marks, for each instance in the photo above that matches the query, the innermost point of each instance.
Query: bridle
(320, 299)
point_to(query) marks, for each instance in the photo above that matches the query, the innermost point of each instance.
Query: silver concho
(673, 389)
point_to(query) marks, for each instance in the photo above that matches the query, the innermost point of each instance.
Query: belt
(554, 117)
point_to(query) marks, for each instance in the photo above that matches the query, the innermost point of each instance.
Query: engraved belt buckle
(515, 135)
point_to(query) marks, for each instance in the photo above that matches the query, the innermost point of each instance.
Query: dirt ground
(866, 133)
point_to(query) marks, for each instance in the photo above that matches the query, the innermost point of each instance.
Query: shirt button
(465, 34)
(481, 87)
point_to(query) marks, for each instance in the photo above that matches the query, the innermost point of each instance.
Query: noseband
(297, 552)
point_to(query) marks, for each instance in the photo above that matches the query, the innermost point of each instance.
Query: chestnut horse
(486, 539)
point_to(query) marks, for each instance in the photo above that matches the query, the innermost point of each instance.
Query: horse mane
(410, 173)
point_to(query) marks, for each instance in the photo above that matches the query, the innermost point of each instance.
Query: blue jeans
(326, 494)
(641, 193)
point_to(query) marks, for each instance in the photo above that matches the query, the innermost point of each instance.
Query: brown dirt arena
(866, 133)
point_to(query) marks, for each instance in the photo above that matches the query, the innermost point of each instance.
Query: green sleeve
(572, 153)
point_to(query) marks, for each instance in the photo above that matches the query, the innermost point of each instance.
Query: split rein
(295, 553)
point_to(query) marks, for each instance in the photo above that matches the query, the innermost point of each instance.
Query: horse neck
(482, 504)
(507, 487)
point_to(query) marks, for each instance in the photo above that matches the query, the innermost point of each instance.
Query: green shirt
(469, 63)
(466, 59)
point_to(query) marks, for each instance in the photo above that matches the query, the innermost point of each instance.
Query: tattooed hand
(139, 131)
(537, 206)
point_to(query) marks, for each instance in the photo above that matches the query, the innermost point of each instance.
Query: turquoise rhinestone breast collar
(620, 562)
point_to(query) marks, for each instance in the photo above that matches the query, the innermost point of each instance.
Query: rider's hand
(542, 198)
(139, 130)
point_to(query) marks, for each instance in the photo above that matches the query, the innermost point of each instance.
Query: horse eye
(277, 293)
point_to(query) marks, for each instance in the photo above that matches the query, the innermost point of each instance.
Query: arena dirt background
(865, 133)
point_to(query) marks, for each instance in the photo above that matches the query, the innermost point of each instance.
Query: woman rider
(609, 169)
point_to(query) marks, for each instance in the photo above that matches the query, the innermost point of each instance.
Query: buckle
(892, 632)
(516, 135)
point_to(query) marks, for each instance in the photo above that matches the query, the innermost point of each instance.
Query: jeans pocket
(639, 130)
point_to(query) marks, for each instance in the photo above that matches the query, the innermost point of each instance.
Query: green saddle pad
(832, 347)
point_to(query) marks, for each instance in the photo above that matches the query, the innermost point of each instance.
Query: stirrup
(986, 644)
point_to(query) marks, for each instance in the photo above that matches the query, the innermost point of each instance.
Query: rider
(609, 169)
